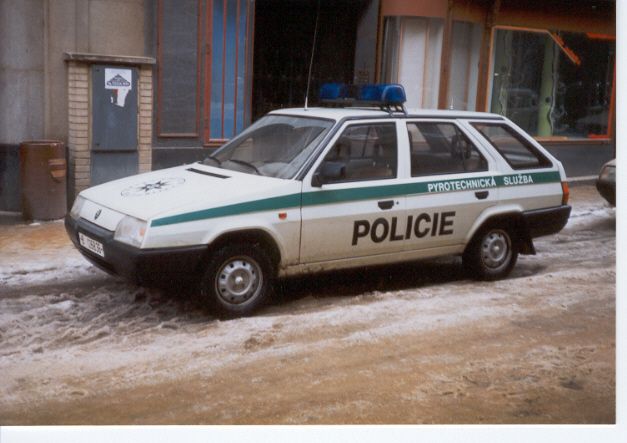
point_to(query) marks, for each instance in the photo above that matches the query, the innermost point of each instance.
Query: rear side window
(441, 148)
(518, 152)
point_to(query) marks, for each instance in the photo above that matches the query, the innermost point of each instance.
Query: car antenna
(313, 49)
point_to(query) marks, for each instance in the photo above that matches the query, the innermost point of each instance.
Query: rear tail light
(565, 193)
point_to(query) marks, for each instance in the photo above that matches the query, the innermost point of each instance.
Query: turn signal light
(565, 193)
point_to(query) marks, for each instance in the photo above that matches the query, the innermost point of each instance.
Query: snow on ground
(70, 332)
(38, 254)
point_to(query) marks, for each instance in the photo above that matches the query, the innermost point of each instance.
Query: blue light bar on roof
(393, 94)
(384, 94)
(333, 91)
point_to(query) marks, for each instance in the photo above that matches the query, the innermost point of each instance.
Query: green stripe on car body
(266, 204)
(365, 193)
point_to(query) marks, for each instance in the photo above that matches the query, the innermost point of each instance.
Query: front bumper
(546, 221)
(158, 266)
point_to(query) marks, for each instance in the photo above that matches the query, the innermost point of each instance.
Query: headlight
(75, 212)
(131, 231)
(608, 174)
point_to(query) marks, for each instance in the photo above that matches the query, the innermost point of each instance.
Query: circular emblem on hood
(152, 187)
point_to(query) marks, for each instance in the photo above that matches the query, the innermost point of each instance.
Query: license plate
(91, 244)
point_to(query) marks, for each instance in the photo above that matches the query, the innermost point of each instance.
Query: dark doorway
(284, 31)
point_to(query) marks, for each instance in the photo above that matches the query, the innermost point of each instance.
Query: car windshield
(275, 146)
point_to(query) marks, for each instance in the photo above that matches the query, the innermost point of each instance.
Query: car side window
(362, 152)
(517, 151)
(441, 148)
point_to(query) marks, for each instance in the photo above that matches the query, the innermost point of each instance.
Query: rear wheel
(238, 280)
(492, 253)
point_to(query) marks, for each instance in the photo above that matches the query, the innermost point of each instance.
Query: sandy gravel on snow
(417, 343)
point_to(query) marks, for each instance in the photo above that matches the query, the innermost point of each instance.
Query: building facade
(549, 65)
(138, 85)
(221, 64)
(49, 51)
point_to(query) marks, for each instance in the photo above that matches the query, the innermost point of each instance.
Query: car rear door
(530, 177)
(451, 184)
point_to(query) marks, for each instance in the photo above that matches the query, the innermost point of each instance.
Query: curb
(583, 180)
(10, 218)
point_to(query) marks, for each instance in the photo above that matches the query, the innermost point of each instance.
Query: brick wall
(145, 119)
(79, 136)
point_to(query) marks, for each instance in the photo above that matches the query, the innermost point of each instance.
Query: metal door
(114, 123)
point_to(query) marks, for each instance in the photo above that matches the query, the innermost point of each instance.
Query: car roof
(354, 113)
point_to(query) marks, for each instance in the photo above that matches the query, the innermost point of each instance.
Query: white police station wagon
(317, 189)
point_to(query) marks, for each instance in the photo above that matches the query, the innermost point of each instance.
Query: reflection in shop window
(464, 66)
(412, 51)
(553, 84)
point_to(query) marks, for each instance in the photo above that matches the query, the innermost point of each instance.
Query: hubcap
(239, 280)
(496, 249)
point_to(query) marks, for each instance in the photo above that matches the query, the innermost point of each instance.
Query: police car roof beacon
(389, 97)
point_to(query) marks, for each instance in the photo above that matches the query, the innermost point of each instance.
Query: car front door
(352, 205)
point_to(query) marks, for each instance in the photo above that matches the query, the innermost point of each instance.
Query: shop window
(441, 148)
(413, 49)
(204, 43)
(554, 84)
(464, 66)
(228, 68)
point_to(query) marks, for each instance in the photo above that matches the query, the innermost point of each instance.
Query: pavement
(401, 344)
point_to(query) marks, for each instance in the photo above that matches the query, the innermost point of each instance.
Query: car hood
(184, 188)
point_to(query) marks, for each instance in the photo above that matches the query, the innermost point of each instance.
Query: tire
(492, 253)
(238, 280)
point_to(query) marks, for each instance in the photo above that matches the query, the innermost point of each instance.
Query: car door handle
(386, 204)
(482, 195)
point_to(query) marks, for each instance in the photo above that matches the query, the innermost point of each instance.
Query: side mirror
(316, 180)
(329, 172)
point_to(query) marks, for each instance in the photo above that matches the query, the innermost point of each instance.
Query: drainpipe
(446, 57)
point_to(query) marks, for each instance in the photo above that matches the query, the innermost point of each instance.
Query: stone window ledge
(89, 58)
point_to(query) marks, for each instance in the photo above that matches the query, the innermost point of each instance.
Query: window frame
(461, 130)
(544, 162)
(337, 136)
(243, 104)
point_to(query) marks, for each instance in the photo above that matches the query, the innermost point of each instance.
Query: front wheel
(238, 280)
(491, 254)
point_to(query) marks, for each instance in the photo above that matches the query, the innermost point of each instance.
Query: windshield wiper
(245, 163)
(211, 157)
